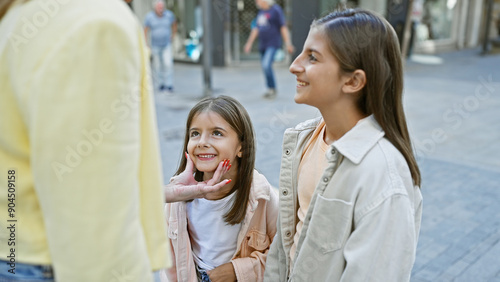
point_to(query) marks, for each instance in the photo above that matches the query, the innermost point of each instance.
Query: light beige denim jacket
(364, 218)
(254, 239)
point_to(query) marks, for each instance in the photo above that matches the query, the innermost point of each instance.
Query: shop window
(433, 19)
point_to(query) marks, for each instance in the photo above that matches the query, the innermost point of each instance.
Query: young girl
(224, 236)
(350, 203)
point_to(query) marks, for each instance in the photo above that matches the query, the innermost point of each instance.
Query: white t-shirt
(213, 240)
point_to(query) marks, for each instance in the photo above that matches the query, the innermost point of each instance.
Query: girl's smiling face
(212, 140)
(319, 77)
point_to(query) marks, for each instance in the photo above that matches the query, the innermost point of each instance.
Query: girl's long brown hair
(5, 6)
(359, 39)
(236, 115)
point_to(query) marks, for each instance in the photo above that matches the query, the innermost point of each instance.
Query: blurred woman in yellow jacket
(80, 174)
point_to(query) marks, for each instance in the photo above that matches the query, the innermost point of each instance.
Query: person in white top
(213, 240)
(225, 234)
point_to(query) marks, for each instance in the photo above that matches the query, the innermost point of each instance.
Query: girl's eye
(194, 134)
(312, 58)
(217, 133)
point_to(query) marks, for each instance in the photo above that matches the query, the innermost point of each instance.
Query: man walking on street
(270, 27)
(162, 26)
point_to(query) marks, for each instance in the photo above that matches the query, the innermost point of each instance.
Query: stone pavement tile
(485, 266)
(481, 247)
(429, 253)
(461, 220)
(449, 257)
(428, 273)
(445, 98)
(424, 241)
(485, 216)
(417, 279)
(445, 278)
(455, 270)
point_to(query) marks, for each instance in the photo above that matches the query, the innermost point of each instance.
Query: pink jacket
(254, 239)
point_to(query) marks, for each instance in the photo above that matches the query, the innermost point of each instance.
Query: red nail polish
(229, 181)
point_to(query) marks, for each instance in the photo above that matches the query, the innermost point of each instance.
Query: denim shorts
(202, 275)
(36, 273)
(26, 272)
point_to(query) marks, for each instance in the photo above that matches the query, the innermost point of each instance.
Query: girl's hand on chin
(184, 187)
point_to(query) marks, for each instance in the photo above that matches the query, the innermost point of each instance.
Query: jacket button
(325, 179)
(284, 192)
(288, 152)
(288, 234)
(333, 151)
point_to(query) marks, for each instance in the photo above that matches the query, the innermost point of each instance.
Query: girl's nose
(203, 141)
(296, 67)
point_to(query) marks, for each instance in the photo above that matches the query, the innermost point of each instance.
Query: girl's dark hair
(236, 115)
(6, 5)
(360, 39)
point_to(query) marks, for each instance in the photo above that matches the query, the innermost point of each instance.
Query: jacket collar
(358, 141)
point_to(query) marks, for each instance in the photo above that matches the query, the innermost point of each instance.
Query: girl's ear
(240, 153)
(355, 82)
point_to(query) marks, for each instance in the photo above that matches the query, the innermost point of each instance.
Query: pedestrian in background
(416, 18)
(160, 25)
(350, 202)
(224, 236)
(78, 145)
(270, 27)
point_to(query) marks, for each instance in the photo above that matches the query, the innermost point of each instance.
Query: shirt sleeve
(147, 21)
(281, 16)
(84, 121)
(252, 268)
(253, 24)
(172, 17)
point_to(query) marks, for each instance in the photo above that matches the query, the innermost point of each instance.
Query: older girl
(350, 203)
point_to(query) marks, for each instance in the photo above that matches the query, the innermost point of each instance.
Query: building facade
(437, 25)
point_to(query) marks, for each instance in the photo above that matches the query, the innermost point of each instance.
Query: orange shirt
(311, 167)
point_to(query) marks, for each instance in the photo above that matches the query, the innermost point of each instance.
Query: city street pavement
(451, 102)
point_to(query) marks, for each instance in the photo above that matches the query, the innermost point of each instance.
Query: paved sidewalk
(453, 112)
(451, 107)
